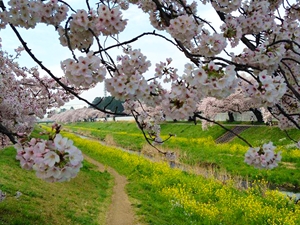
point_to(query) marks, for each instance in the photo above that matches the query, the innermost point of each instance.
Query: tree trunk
(257, 114)
(230, 116)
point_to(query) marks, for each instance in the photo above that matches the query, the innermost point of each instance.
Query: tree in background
(77, 115)
(25, 95)
(109, 103)
(267, 30)
(235, 103)
(62, 110)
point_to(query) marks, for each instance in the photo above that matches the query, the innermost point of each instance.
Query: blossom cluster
(226, 5)
(110, 21)
(263, 157)
(129, 82)
(257, 17)
(183, 28)
(165, 71)
(84, 25)
(27, 13)
(85, 72)
(265, 56)
(180, 101)
(211, 79)
(268, 90)
(232, 30)
(54, 160)
(209, 45)
(147, 117)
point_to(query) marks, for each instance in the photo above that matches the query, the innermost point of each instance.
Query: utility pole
(105, 92)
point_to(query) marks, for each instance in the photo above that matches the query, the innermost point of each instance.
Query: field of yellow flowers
(197, 148)
(162, 195)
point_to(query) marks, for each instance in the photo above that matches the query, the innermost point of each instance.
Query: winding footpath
(120, 211)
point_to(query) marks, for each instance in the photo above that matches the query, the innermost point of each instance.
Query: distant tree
(83, 114)
(257, 114)
(62, 110)
(234, 103)
(109, 103)
(230, 116)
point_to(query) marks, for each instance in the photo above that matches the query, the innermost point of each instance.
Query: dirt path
(120, 211)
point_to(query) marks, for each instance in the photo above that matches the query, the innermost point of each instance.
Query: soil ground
(120, 211)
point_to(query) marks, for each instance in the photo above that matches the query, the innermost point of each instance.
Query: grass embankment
(165, 196)
(127, 134)
(262, 134)
(83, 200)
(197, 147)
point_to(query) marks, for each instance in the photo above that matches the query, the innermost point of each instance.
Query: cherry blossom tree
(25, 95)
(259, 38)
(236, 102)
(75, 115)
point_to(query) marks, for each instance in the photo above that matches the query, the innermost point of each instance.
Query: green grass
(197, 147)
(160, 195)
(255, 135)
(164, 196)
(127, 134)
(259, 135)
(179, 129)
(191, 131)
(52, 203)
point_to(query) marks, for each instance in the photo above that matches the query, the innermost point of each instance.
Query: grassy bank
(127, 134)
(52, 203)
(262, 134)
(196, 147)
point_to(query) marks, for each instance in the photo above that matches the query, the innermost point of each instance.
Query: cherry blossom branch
(110, 68)
(240, 67)
(287, 134)
(67, 5)
(287, 116)
(135, 39)
(68, 38)
(9, 134)
(243, 39)
(297, 94)
(88, 4)
(295, 79)
(144, 134)
(225, 128)
(290, 42)
(68, 89)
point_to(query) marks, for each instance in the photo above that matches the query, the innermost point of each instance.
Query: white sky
(43, 41)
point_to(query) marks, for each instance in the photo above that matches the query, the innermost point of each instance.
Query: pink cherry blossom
(267, 65)
(50, 158)
(55, 160)
(263, 157)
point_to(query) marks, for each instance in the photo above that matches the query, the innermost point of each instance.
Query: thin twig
(225, 128)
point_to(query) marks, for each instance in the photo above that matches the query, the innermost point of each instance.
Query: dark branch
(225, 128)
